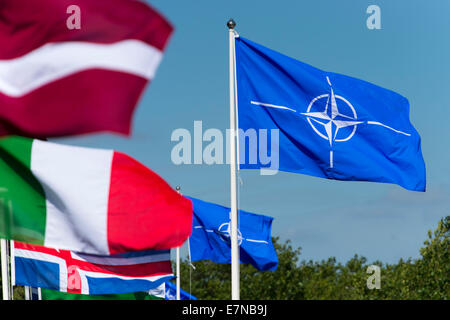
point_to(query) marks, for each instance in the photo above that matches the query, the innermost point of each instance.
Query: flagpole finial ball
(231, 24)
(178, 188)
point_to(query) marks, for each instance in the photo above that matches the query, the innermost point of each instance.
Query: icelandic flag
(328, 125)
(67, 271)
(170, 292)
(210, 238)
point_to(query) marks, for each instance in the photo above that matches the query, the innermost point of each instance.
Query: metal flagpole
(12, 266)
(191, 266)
(178, 273)
(5, 269)
(178, 188)
(233, 195)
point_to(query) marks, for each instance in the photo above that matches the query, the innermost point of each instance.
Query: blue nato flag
(210, 238)
(329, 125)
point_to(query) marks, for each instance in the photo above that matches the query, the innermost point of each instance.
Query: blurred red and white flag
(58, 78)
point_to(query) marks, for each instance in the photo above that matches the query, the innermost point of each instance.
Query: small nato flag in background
(210, 238)
(170, 292)
(330, 125)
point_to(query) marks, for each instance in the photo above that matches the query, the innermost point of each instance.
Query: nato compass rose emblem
(224, 233)
(330, 122)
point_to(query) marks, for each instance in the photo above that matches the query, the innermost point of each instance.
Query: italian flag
(86, 200)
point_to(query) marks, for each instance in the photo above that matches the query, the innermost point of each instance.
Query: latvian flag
(59, 78)
(86, 200)
(67, 271)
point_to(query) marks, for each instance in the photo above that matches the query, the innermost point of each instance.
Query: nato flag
(171, 292)
(210, 238)
(328, 125)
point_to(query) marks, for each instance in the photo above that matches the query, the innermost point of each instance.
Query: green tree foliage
(431, 278)
(425, 278)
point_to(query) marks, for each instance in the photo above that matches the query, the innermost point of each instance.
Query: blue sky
(326, 218)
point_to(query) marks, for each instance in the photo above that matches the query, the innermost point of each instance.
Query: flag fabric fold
(59, 81)
(86, 200)
(210, 238)
(67, 271)
(330, 125)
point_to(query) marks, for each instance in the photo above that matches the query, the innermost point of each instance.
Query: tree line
(427, 277)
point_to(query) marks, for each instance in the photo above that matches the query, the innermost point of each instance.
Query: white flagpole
(233, 195)
(12, 267)
(178, 273)
(178, 188)
(5, 269)
(27, 291)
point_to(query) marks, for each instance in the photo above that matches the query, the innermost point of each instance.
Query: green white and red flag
(86, 200)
